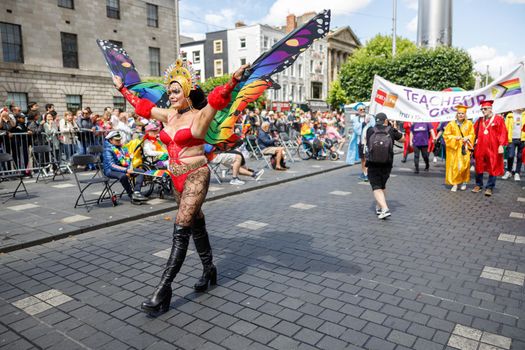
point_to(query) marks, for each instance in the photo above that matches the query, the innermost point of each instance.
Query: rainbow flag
(157, 173)
(510, 87)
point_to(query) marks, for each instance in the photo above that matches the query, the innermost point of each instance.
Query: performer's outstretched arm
(219, 99)
(143, 107)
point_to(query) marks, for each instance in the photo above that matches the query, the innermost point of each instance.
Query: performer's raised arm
(143, 107)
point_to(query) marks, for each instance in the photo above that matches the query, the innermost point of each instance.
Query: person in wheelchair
(154, 150)
(117, 165)
(309, 136)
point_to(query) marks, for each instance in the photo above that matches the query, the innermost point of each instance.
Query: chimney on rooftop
(291, 23)
(239, 24)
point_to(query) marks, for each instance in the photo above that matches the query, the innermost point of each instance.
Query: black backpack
(380, 146)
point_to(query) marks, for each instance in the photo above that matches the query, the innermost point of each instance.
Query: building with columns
(342, 42)
(49, 53)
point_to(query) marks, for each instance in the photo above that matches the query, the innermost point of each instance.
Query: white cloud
(223, 19)
(411, 4)
(484, 56)
(412, 25)
(281, 8)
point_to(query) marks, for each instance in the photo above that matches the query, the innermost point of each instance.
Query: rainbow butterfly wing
(258, 78)
(120, 64)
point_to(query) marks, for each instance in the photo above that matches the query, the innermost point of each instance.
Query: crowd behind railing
(71, 133)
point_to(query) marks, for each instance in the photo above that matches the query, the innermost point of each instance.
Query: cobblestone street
(304, 264)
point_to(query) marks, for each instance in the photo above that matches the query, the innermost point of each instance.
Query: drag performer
(491, 136)
(459, 140)
(407, 149)
(183, 134)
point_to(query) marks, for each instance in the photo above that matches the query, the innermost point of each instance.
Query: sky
(492, 31)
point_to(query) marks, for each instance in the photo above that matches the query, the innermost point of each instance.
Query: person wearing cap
(378, 173)
(459, 140)
(514, 124)
(154, 148)
(491, 136)
(117, 165)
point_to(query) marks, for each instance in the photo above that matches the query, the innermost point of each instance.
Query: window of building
(320, 47)
(242, 43)
(265, 42)
(292, 70)
(274, 41)
(300, 70)
(292, 92)
(300, 93)
(69, 4)
(217, 46)
(154, 61)
(196, 57)
(73, 103)
(153, 15)
(12, 42)
(285, 93)
(18, 99)
(317, 90)
(321, 67)
(312, 66)
(198, 74)
(116, 42)
(184, 55)
(69, 50)
(243, 61)
(119, 102)
(113, 9)
(217, 68)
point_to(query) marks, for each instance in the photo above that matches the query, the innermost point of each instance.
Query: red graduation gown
(486, 152)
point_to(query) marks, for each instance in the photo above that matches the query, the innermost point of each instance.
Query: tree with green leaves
(336, 95)
(423, 68)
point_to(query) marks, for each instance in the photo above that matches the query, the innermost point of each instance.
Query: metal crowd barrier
(63, 146)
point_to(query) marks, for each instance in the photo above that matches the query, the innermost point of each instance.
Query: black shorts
(361, 150)
(378, 176)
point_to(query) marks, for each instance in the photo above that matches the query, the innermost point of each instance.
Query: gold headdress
(182, 73)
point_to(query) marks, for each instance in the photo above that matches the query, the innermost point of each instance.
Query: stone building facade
(342, 42)
(49, 53)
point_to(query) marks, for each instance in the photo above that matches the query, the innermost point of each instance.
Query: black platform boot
(202, 244)
(161, 298)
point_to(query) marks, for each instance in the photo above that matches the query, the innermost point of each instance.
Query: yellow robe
(457, 164)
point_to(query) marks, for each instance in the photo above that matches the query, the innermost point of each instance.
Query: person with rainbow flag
(117, 165)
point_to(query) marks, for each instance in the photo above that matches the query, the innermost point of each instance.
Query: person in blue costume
(355, 152)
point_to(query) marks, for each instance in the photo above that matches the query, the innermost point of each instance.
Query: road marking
(213, 189)
(363, 183)
(466, 338)
(511, 238)
(517, 215)
(340, 193)
(165, 253)
(521, 199)
(302, 206)
(157, 201)
(252, 225)
(41, 302)
(63, 186)
(23, 207)
(75, 218)
(502, 275)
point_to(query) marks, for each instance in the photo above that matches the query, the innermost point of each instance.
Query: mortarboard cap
(487, 103)
(461, 108)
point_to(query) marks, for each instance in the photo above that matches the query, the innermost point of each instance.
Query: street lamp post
(394, 35)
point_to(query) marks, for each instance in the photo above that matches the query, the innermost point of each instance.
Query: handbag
(463, 146)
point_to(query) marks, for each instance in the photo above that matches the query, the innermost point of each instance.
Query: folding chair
(7, 162)
(215, 169)
(285, 141)
(83, 160)
(256, 152)
(96, 150)
(40, 153)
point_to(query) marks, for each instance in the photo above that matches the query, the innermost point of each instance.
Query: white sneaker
(384, 214)
(435, 160)
(258, 175)
(463, 187)
(517, 177)
(454, 188)
(235, 181)
(506, 176)
(378, 211)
